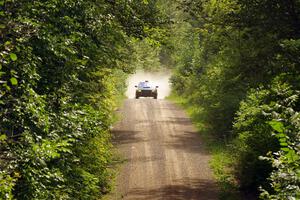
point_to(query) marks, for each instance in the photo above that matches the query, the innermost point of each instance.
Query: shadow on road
(187, 142)
(192, 190)
(125, 137)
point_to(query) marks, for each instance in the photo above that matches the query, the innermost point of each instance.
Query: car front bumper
(146, 93)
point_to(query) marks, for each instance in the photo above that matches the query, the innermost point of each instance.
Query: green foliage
(227, 55)
(146, 55)
(7, 183)
(285, 180)
(63, 66)
(7, 179)
(264, 111)
(254, 135)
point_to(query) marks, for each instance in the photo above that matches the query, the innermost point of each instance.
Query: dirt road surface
(165, 158)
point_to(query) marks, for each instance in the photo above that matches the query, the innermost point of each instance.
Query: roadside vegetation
(63, 66)
(237, 70)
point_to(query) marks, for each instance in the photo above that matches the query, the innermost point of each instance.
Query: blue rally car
(145, 89)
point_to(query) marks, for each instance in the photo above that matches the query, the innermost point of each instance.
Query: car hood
(146, 88)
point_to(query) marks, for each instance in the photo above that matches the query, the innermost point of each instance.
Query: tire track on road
(165, 156)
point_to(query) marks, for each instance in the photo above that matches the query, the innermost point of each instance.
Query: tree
(227, 65)
(62, 65)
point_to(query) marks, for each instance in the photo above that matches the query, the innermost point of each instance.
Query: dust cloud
(160, 79)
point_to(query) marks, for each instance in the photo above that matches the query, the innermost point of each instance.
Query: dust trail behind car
(160, 79)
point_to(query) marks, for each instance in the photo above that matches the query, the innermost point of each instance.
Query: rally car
(146, 89)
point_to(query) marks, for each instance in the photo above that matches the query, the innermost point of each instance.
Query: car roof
(145, 83)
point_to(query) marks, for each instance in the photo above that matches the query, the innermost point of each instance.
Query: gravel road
(165, 157)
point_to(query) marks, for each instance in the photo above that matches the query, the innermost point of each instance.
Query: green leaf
(292, 156)
(7, 87)
(13, 72)
(283, 144)
(285, 149)
(2, 137)
(13, 57)
(282, 140)
(277, 126)
(281, 135)
(7, 43)
(14, 81)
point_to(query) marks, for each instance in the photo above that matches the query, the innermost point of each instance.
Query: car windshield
(144, 85)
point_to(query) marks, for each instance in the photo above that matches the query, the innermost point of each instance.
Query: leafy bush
(63, 66)
(265, 109)
(227, 57)
(285, 179)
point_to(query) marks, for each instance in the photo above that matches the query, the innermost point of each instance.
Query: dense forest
(237, 64)
(63, 67)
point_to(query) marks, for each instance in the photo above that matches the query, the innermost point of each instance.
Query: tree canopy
(237, 62)
(63, 65)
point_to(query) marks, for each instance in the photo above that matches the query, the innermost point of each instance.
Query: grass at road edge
(118, 160)
(221, 156)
